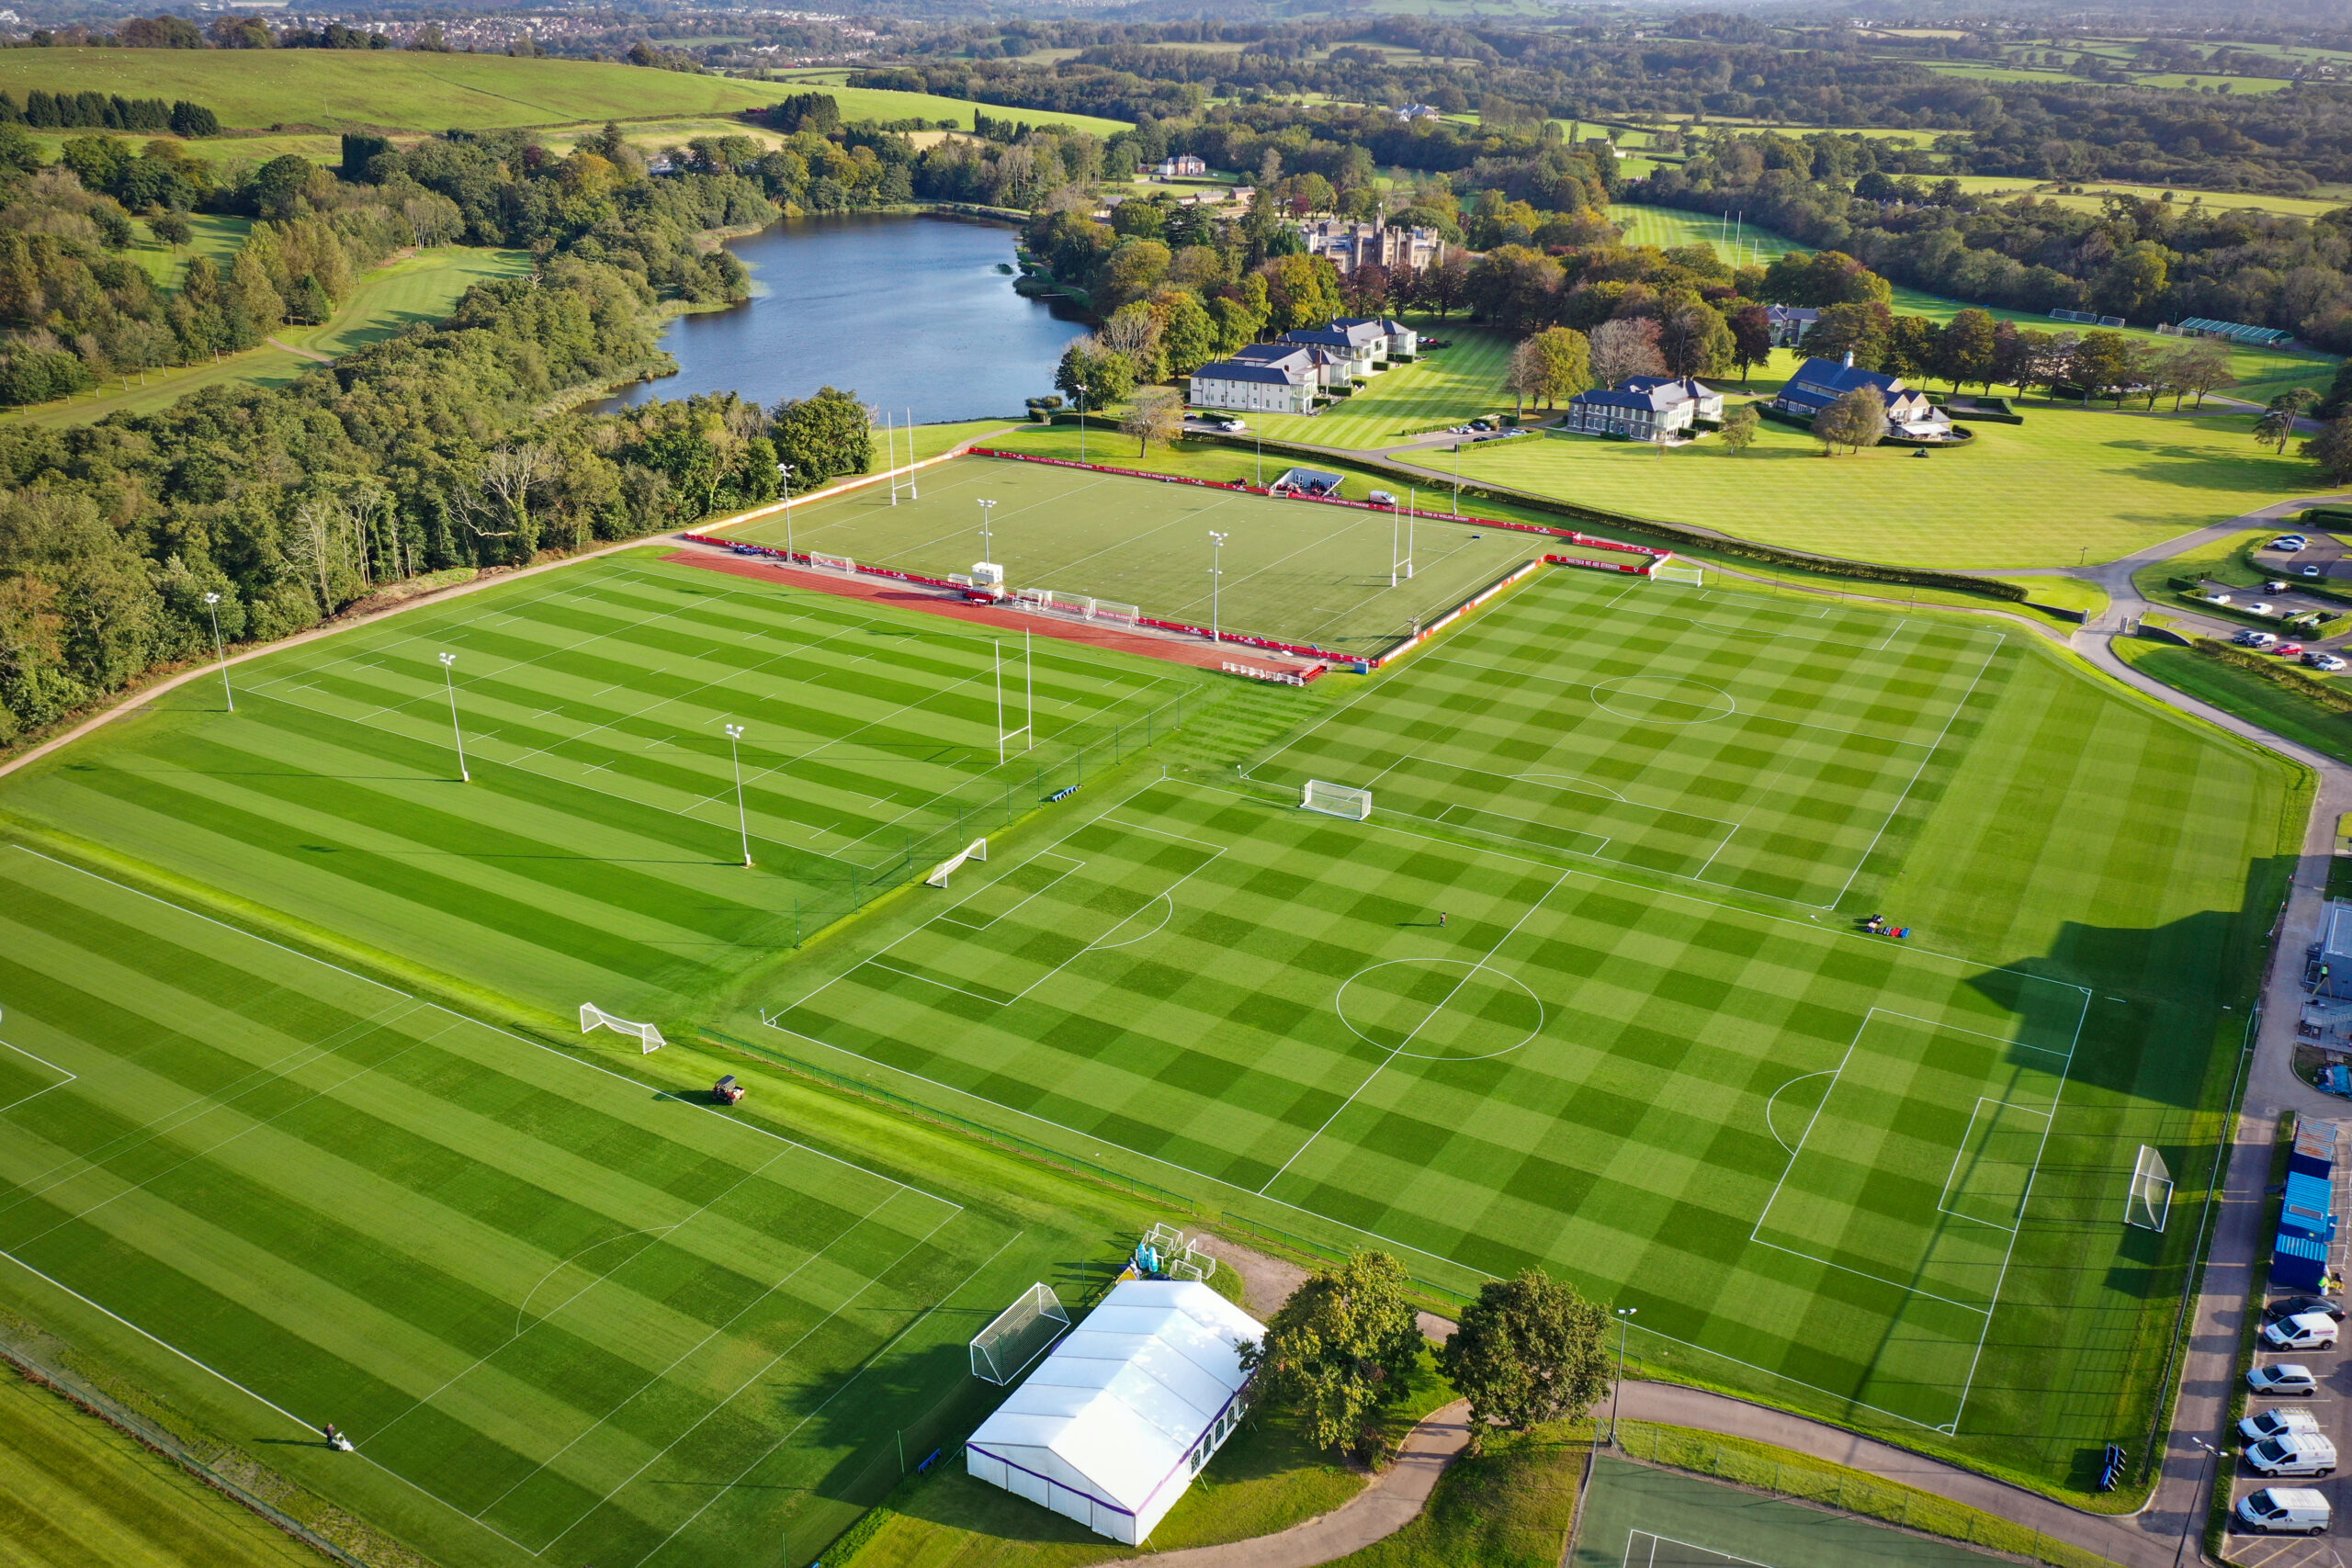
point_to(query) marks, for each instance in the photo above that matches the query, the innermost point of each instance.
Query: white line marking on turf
(1775, 1095)
(35, 1094)
(1999, 641)
(1959, 1153)
(1524, 916)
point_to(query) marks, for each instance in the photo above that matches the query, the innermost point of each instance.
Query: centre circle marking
(1641, 696)
(1461, 974)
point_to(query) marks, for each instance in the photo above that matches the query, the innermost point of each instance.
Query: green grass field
(595, 856)
(2066, 481)
(1445, 387)
(217, 239)
(568, 1310)
(1636, 1517)
(1585, 991)
(74, 1493)
(1666, 227)
(1293, 570)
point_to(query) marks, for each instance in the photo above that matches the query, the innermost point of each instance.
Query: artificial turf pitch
(1585, 991)
(1292, 569)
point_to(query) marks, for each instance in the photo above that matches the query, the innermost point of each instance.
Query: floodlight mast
(450, 680)
(785, 470)
(1081, 420)
(1624, 1318)
(1216, 580)
(743, 820)
(988, 539)
(220, 650)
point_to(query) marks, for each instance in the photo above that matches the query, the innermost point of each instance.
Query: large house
(1356, 344)
(1790, 323)
(1350, 245)
(1820, 382)
(1285, 384)
(1183, 165)
(1644, 408)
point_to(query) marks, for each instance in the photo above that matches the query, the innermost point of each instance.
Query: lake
(908, 313)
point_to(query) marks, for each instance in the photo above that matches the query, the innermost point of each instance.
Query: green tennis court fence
(1848, 1492)
(1009, 1142)
(37, 1369)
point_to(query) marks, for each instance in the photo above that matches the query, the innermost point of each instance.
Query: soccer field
(596, 855)
(585, 1320)
(1292, 569)
(1586, 991)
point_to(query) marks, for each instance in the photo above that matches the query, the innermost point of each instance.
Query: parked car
(1380, 498)
(2303, 1453)
(2279, 1423)
(2261, 607)
(2284, 1378)
(2288, 649)
(2290, 543)
(1481, 424)
(2324, 661)
(2280, 586)
(2313, 572)
(2304, 1331)
(2284, 1510)
(2295, 1306)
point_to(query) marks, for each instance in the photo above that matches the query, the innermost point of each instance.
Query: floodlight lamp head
(212, 598)
(734, 732)
(447, 660)
(1627, 1312)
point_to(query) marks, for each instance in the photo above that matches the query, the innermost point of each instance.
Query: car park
(2304, 1331)
(2295, 1306)
(2298, 1454)
(2287, 1378)
(2279, 1422)
(2284, 1510)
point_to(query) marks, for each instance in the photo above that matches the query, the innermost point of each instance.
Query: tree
(1826, 278)
(1515, 287)
(1444, 287)
(1751, 339)
(1529, 1350)
(1564, 364)
(1302, 291)
(1107, 375)
(1696, 341)
(1863, 330)
(2331, 449)
(1858, 419)
(2277, 421)
(2201, 367)
(2102, 365)
(1739, 428)
(173, 228)
(1344, 1342)
(1156, 413)
(1967, 349)
(822, 436)
(1524, 377)
(1187, 336)
(1625, 347)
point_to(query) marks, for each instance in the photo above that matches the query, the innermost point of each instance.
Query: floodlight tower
(1082, 420)
(1624, 1319)
(743, 822)
(450, 680)
(784, 471)
(988, 539)
(220, 652)
(1216, 578)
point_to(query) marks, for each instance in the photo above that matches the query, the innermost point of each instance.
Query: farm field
(597, 854)
(560, 1307)
(1293, 571)
(1585, 991)
(2067, 481)
(415, 289)
(2091, 200)
(255, 150)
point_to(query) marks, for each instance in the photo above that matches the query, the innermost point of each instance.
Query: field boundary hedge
(2333, 698)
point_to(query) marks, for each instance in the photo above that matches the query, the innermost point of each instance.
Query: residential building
(1351, 244)
(1325, 367)
(1399, 341)
(1358, 345)
(1790, 323)
(1820, 382)
(1253, 385)
(1419, 111)
(1645, 407)
(1182, 166)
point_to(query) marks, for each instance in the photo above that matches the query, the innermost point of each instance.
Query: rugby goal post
(977, 850)
(1019, 1335)
(2149, 1203)
(1337, 800)
(592, 1017)
(1674, 571)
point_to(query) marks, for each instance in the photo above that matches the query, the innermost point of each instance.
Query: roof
(1314, 477)
(1626, 396)
(1125, 1395)
(1243, 370)
(1791, 313)
(1820, 382)
(1278, 352)
(1354, 332)
(1687, 385)
(1388, 326)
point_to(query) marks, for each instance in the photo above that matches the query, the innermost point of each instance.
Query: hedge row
(1960, 436)
(1690, 538)
(2278, 674)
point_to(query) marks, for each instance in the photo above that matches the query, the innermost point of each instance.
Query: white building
(1349, 245)
(1183, 165)
(1112, 1427)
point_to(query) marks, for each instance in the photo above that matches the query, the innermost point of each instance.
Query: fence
(1849, 1492)
(149, 1435)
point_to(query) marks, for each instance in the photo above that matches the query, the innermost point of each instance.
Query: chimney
(1849, 359)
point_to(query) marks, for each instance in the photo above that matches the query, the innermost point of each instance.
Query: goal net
(1022, 1333)
(592, 1017)
(977, 850)
(2149, 1201)
(1116, 614)
(1668, 571)
(842, 564)
(1337, 800)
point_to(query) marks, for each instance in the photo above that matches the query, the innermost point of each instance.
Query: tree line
(106, 111)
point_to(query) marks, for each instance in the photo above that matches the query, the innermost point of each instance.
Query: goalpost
(592, 1017)
(1666, 571)
(2149, 1201)
(1019, 1335)
(977, 850)
(1337, 800)
(1116, 614)
(842, 564)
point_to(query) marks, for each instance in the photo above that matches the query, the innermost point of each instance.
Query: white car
(2313, 572)
(2260, 608)
(2286, 1378)
(2280, 586)
(2304, 1331)
(2327, 662)
(2284, 1510)
(2290, 543)
(2305, 1453)
(1380, 498)
(2251, 638)
(2217, 597)
(2279, 1423)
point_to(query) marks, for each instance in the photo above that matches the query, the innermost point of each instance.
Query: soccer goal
(2149, 1201)
(1022, 1333)
(1668, 571)
(840, 564)
(977, 850)
(592, 1017)
(1337, 800)
(1116, 614)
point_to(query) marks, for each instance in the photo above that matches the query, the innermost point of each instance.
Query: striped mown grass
(1587, 991)
(1446, 386)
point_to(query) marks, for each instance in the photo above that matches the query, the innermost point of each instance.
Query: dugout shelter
(1112, 1427)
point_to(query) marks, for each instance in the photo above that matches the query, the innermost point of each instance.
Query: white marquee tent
(1112, 1427)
